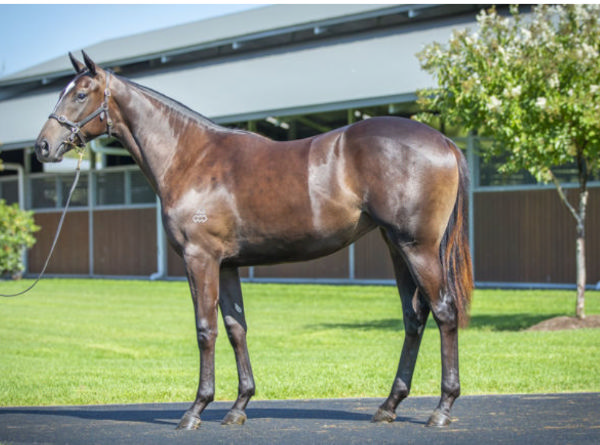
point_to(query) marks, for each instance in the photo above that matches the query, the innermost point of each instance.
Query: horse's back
(340, 184)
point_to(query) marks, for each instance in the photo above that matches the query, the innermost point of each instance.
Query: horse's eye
(81, 96)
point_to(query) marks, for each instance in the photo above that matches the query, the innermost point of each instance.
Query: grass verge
(100, 341)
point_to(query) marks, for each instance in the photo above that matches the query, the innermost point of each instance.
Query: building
(286, 71)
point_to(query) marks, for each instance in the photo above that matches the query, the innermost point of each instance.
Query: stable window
(50, 191)
(44, 192)
(9, 190)
(140, 190)
(110, 188)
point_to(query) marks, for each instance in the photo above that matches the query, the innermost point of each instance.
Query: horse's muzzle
(45, 154)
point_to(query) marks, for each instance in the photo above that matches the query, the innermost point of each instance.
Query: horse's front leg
(203, 278)
(232, 310)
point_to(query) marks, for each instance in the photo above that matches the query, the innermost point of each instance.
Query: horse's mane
(180, 108)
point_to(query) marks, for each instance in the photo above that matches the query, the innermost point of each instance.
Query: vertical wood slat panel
(125, 242)
(520, 236)
(176, 268)
(372, 259)
(331, 266)
(529, 236)
(71, 255)
(593, 237)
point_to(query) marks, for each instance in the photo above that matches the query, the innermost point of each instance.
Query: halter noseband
(77, 126)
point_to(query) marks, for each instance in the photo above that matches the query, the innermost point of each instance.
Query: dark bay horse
(232, 198)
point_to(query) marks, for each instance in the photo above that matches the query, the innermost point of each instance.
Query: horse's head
(80, 115)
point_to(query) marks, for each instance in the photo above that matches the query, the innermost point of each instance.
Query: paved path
(507, 419)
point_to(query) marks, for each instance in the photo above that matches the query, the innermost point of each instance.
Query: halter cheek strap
(77, 126)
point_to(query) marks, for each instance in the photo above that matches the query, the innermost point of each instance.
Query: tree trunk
(579, 216)
(580, 252)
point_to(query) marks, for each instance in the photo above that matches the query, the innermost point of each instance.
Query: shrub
(16, 233)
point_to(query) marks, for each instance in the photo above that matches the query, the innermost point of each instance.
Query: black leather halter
(77, 126)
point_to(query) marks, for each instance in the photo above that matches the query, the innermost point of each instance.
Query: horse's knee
(235, 330)
(206, 335)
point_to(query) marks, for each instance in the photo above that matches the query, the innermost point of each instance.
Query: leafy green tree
(16, 233)
(532, 83)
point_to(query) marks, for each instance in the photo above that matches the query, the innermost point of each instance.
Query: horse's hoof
(438, 419)
(383, 415)
(234, 417)
(189, 422)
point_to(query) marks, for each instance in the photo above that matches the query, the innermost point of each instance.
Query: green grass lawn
(100, 341)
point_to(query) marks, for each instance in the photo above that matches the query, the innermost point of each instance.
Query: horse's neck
(149, 129)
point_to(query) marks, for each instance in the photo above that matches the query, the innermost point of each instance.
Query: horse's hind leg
(415, 312)
(426, 268)
(446, 316)
(232, 309)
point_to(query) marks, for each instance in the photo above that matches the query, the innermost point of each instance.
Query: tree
(532, 83)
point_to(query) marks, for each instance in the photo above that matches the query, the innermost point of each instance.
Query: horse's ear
(89, 63)
(79, 67)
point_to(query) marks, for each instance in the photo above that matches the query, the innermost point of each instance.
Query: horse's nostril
(42, 147)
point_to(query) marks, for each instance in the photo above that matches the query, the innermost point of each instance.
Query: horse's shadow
(171, 416)
(491, 322)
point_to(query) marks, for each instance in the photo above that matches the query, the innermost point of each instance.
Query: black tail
(455, 253)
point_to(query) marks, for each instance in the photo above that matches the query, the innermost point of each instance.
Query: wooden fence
(524, 236)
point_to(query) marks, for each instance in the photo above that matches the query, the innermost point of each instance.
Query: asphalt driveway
(505, 419)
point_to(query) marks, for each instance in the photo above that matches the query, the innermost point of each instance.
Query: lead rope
(60, 224)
